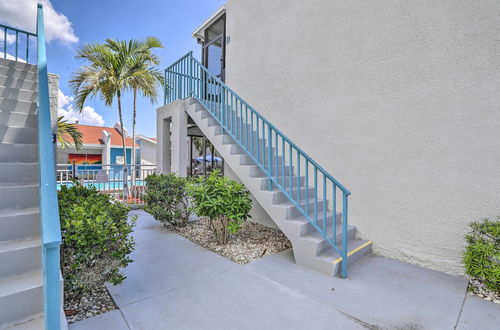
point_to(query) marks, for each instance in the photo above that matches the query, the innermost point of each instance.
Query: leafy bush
(482, 254)
(223, 201)
(166, 199)
(96, 239)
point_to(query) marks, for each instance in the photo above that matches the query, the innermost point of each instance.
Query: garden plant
(166, 199)
(96, 240)
(225, 202)
(482, 253)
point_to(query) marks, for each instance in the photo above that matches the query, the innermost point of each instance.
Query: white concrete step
(19, 196)
(18, 224)
(19, 173)
(19, 119)
(12, 134)
(18, 74)
(14, 105)
(16, 65)
(20, 255)
(21, 298)
(18, 93)
(18, 83)
(18, 152)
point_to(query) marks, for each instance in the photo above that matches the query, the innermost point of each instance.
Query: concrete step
(16, 65)
(32, 322)
(18, 224)
(19, 196)
(18, 83)
(19, 119)
(20, 255)
(318, 244)
(18, 152)
(21, 298)
(18, 93)
(19, 173)
(18, 74)
(26, 135)
(358, 248)
(15, 105)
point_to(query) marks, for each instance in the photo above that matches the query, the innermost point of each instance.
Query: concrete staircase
(21, 278)
(309, 247)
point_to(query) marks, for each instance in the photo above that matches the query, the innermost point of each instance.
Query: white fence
(111, 179)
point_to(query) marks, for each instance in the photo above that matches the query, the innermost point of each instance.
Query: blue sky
(172, 21)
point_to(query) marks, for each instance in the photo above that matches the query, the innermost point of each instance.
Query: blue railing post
(49, 211)
(190, 57)
(344, 235)
(270, 157)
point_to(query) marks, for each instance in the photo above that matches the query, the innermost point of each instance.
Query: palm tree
(143, 74)
(105, 76)
(67, 130)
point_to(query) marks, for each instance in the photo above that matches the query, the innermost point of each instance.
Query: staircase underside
(310, 248)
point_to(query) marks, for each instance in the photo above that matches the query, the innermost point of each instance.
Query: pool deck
(176, 284)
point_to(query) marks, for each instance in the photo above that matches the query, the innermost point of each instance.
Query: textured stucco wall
(397, 99)
(53, 96)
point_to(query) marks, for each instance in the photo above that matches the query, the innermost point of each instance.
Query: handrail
(265, 144)
(49, 211)
(17, 41)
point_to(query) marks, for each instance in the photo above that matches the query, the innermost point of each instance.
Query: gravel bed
(477, 288)
(91, 304)
(253, 241)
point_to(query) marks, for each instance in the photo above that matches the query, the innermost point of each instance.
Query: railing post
(270, 157)
(73, 170)
(344, 235)
(190, 73)
(49, 210)
(179, 86)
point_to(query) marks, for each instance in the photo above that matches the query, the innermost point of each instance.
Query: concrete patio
(175, 284)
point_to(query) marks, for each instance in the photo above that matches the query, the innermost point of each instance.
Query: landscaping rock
(253, 241)
(89, 305)
(480, 290)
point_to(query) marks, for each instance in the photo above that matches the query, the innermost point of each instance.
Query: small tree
(223, 201)
(166, 199)
(67, 131)
(482, 254)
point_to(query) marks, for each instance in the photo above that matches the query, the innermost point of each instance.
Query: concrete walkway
(175, 284)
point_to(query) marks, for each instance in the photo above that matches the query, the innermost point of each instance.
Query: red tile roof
(93, 135)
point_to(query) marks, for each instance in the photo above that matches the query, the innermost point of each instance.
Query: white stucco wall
(399, 100)
(148, 152)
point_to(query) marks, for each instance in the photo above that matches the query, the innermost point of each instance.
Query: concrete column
(172, 150)
(106, 152)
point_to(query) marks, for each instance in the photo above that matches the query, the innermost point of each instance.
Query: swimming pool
(111, 185)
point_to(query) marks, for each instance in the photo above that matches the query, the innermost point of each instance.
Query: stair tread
(353, 244)
(6, 246)
(35, 322)
(316, 236)
(22, 282)
(16, 212)
(21, 185)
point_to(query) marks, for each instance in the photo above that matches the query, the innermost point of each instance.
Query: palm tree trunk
(125, 174)
(134, 160)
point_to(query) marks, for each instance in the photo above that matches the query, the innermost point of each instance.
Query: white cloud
(22, 14)
(11, 38)
(88, 115)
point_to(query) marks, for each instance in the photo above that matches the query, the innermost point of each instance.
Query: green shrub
(96, 239)
(482, 254)
(223, 201)
(166, 199)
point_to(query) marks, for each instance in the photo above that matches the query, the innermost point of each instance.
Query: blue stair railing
(49, 210)
(20, 41)
(288, 168)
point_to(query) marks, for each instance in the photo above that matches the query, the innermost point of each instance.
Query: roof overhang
(142, 137)
(199, 33)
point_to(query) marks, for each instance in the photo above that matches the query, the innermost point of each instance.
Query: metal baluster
(324, 203)
(344, 235)
(283, 162)
(315, 194)
(290, 169)
(270, 153)
(334, 211)
(4, 42)
(27, 47)
(298, 177)
(307, 188)
(17, 42)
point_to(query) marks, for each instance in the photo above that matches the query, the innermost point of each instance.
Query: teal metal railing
(313, 191)
(49, 210)
(19, 41)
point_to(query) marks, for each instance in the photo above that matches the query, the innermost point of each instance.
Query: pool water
(110, 185)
